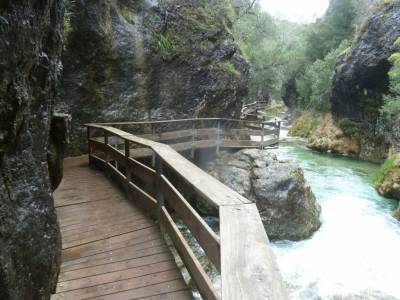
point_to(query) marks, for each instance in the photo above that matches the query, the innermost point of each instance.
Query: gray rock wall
(30, 50)
(132, 60)
(361, 77)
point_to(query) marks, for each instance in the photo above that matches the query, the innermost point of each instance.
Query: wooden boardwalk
(110, 249)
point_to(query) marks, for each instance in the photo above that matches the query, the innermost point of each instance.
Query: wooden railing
(241, 252)
(191, 134)
(249, 110)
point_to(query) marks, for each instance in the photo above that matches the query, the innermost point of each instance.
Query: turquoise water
(356, 252)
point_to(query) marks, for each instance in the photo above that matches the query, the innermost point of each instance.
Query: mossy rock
(305, 125)
(387, 179)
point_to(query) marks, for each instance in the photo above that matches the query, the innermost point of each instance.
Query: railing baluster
(218, 135)
(153, 134)
(159, 193)
(89, 149)
(128, 173)
(192, 152)
(106, 143)
(262, 135)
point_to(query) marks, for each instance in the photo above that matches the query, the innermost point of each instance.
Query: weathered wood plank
(203, 282)
(113, 267)
(115, 276)
(205, 236)
(107, 290)
(127, 239)
(248, 266)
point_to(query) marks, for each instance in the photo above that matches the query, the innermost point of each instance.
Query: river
(356, 252)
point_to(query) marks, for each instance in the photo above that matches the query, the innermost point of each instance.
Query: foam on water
(355, 253)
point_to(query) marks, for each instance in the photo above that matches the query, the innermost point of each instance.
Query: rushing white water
(356, 252)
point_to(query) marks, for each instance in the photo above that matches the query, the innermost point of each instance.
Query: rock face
(330, 138)
(362, 76)
(289, 92)
(286, 203)
(130, 60)
(30, 50)
(344, 137)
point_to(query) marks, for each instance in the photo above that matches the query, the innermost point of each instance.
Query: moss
(350, 128)
(230, 67)
(67, 27)
(305, 125)
(391, 165)
(127, 13)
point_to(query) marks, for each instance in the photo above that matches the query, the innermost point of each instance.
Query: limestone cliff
(130, 60)
(361, 77)
(359, 83)
(30, 51)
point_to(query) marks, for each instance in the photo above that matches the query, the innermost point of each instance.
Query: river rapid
(356, 252)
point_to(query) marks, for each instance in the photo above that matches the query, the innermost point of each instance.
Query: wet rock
(30, 51)
(286, 203)
(132, 60)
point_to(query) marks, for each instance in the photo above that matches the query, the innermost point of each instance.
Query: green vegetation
(67, 27)
(163, 45)
(329, 32)
(314, 85)
(391, 108)
(127, 13)
(268, 44)
(279, 50)
(387, 167)
(350, 127)
(230, 67)
(305, 125)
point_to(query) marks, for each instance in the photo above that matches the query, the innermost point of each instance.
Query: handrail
(241, 253)
(177, 121)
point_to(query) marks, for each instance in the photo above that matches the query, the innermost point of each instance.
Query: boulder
(287, 206)
(30, 65)
(387, 179)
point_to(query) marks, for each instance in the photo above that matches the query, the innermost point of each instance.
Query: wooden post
(105, 137)
(159, 172)
(153, 136)
(106, 143)
(262, 135)
(218, 135)
(88, 145)
(127, 169)
(278, 131)
(159, 194)
(192, 152)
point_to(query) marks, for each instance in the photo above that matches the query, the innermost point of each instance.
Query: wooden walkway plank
(111, 249)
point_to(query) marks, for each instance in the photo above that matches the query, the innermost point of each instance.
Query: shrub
(350, 127)
(164, 46)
